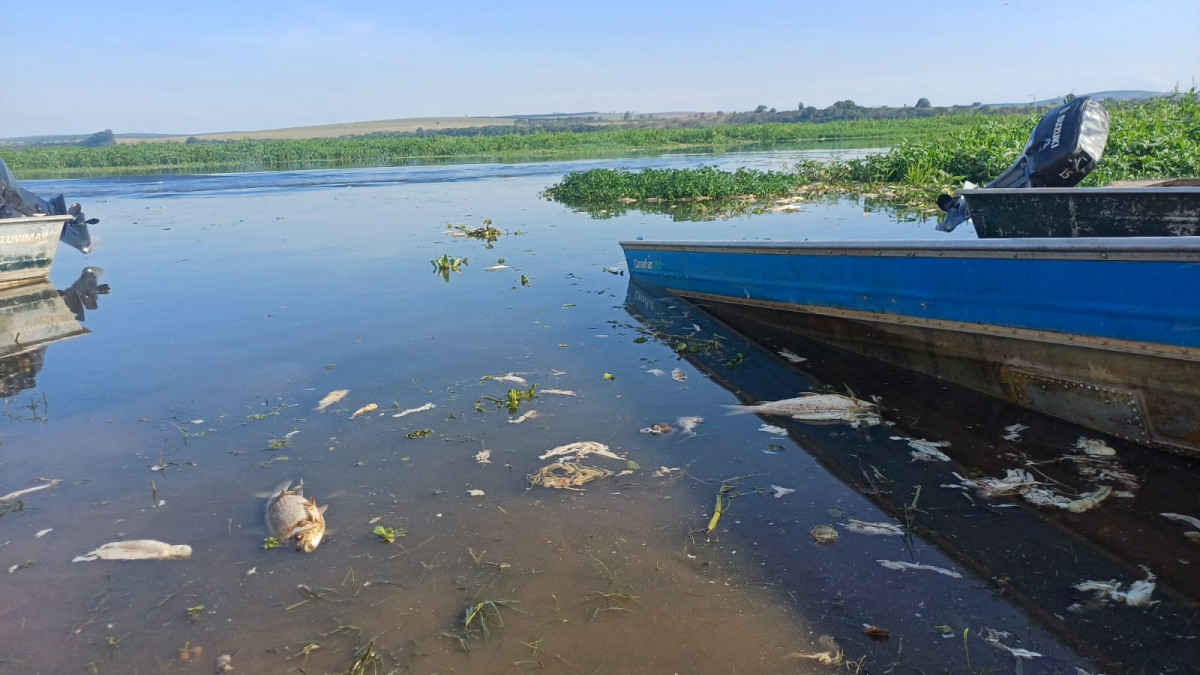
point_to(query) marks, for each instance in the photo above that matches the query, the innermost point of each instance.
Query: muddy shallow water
(238, 301)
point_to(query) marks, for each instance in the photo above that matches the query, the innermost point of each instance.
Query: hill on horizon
(442, 124)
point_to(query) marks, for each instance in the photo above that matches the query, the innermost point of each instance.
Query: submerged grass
(1159, 138)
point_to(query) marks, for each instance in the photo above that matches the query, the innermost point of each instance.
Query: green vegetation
(1152, 139)
(41, 161)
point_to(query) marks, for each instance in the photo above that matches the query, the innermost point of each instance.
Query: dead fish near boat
(580, 450)
(292, 517)
(138, 549)
(817, 408)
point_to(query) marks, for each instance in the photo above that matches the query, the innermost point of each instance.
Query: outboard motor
(16, 201)
(1063, 149)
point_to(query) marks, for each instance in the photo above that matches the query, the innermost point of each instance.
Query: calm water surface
(239, 300)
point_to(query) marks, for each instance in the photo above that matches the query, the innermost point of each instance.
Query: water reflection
(1039, 558)
(36, 315)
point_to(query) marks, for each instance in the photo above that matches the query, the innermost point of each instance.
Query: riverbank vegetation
(261, 155)
(1153, 139)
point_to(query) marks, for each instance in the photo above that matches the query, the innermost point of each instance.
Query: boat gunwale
(1148, 249)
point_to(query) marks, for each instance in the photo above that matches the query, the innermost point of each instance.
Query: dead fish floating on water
(817, 408)
(580, 450)
(331, 398)
(292, 517)
(368, 408)
(138, 549)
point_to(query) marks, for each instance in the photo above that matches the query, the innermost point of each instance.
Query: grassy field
(405, 125)
(259, 155)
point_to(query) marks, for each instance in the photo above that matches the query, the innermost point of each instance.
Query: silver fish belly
(292, 517)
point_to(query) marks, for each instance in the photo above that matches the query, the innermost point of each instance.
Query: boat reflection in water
(33, 316)
(1033, 556)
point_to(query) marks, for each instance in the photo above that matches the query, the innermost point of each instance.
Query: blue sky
(83, 66)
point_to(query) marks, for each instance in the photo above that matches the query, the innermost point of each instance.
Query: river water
(236, 302)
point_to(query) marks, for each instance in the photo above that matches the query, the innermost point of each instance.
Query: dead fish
(292, 517)
(331, 398)
(678, 375)
(656, 429)
(791, 356)
(493, 268)
(484, 456)
(48, 484)
(781, 491)
(524, 416)
(687, 425)
(507, 377)
(370, 407)
(402, 413)
(863, 527)
(1094, 448)
(656, 371)
(560, 392)
(813, 407)
(901, 566)
(580, 450)
(138, 549)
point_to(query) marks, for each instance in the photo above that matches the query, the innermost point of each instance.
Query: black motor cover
(1062, 150)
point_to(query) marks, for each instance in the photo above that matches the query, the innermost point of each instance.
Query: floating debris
(1194, 522)
(291, 517)
(560, 392)
(993, 638)
(773, 430)
(678, 375)
(475, 493)
(831, 656)
(816, 408)
(923, 450)
(1138, 594)
(565, 475)
(224, 664)
(824, 534)
(580, 450)
(1094, 448)
(524, 416)
(664, 471)
(1015, 480)
(1014, 432)
(370, 407)
(875, 632)
(656, 429)
(331, 398)
(791, 356)
(781, 491)
(402, 413)
(484, 456)
(507, 377)
(687, 425)
(1089, 500)
(901, 565)
(138, 549)
(863, 527)
(46, 484)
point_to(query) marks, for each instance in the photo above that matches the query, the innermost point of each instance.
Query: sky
(158, 66)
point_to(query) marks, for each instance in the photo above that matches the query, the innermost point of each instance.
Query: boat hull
(27, 248)
(1156, 211)
(1101, 335)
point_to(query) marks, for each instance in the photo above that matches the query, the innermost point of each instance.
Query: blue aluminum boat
(1103, 332)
